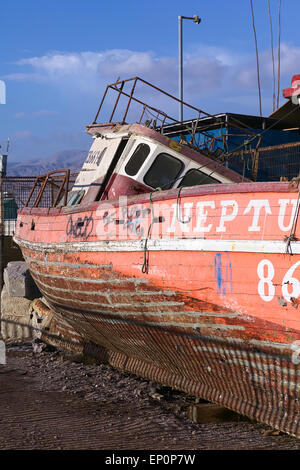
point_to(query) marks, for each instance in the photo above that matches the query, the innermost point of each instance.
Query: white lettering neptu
(257, 205)
(227, 217)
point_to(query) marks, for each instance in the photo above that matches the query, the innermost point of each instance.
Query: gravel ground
(55, 400)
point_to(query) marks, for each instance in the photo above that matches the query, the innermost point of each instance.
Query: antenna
(279, 32)
(272, 52)
(257, 62)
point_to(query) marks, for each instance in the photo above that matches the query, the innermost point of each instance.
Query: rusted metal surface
(43, 180)
(118, 87)
(20, 188)
(215, 146)
(158, 118)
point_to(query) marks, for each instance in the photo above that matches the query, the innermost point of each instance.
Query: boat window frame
(172, 182)
(200, 184)
(139, 143)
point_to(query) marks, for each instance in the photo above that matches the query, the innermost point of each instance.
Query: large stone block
(15, 316)
(19, 282)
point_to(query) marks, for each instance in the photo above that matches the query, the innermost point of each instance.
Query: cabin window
(137, 159)
(195, 177)
(163, 171)
(74, 198)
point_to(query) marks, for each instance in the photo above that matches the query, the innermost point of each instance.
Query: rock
(38, 346)
(156, 396)
(19, 282)
(15, 317)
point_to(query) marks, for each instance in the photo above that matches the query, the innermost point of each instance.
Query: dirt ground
(53, 400)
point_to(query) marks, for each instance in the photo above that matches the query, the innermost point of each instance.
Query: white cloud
(87, 68)
(289, 58)
(208, 71)
(216, 79)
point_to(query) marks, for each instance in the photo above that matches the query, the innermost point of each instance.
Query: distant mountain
(72, 159)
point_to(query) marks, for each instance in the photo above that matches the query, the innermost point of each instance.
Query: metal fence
(17, 189)
(267, 163)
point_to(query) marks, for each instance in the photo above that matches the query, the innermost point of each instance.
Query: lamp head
(196, 19)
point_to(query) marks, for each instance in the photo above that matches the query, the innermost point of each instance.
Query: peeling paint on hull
(207, 322)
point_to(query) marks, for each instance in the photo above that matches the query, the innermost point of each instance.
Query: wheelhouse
(137, 161)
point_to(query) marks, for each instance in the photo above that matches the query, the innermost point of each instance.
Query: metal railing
(42, 181)
(25, 189)
(158, 116)
(187, 132)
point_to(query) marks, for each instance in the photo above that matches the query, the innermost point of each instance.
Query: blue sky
(58, 56)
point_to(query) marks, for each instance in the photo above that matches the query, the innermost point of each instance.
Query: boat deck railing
(158, 119)
(56, 183)
(193, 131)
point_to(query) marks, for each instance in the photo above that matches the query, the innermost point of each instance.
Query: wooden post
(3, 159)
(256, 160)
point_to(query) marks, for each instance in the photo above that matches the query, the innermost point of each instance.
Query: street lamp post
(196, 20)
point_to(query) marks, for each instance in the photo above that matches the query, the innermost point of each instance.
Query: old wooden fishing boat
(168, 264)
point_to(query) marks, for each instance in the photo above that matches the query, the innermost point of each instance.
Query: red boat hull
(198, 292)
